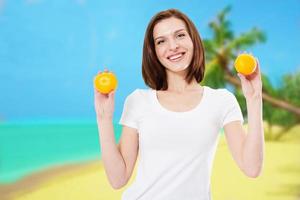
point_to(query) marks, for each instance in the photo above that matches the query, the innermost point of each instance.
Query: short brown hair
(153, 71)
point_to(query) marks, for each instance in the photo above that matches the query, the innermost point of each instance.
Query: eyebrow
(174, 32)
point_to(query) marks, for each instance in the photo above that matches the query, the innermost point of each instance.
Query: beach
(279, 179)
(74, 181)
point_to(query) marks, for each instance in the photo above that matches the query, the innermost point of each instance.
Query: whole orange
(245, 64)
(105, 82)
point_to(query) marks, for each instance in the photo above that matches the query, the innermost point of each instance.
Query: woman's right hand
(104, 103)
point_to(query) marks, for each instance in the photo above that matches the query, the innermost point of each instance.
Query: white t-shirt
(176, 149)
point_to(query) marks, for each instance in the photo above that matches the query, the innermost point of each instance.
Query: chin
(177, 69)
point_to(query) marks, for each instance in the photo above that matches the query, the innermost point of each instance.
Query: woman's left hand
(252, 84)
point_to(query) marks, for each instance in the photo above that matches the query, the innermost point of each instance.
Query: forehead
(168, 26)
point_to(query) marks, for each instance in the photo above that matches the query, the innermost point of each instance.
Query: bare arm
(113, 161)
(119, 160)
(248, 149)
(253, 152)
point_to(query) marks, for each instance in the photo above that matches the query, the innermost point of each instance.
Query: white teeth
(175, 56)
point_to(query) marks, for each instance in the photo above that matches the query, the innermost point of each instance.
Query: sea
(26, 148)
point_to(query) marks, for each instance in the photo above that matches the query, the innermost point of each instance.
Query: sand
(279, 180)
(72, 181)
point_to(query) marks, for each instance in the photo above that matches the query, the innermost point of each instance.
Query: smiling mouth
(176, 57)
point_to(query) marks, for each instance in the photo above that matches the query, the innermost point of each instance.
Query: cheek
(191, 47)
(190, 44)
(159, 52)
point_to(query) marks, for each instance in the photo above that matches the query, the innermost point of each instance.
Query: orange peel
(105, 82)
(245, 64)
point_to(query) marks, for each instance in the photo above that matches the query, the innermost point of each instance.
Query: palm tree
(223, 48)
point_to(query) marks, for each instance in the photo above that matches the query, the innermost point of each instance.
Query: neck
(177, 83)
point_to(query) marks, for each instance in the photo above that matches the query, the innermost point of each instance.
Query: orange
(245, 64)
(105, 82)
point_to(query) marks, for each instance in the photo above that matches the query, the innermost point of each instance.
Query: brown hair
(153, 71)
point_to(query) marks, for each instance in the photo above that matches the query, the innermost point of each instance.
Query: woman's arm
(118, 160)
(248, 149)
(112, 159)
(253, 152)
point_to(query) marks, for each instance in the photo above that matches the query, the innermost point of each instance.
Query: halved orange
(105, 82)
(245, 64)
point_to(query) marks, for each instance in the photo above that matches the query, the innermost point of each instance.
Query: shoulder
(219, 93)
(139, 96)
(140, 93)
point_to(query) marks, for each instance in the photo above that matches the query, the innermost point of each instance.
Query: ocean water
(28, 147)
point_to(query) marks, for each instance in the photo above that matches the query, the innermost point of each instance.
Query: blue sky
(50, 50)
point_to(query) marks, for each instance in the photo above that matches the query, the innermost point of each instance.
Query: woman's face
(173, 46)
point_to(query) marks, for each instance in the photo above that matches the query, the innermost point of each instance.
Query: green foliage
(269, 111)
(241, 99)
(284, 118)
(267, 85)
(210, 49)
(290, 89)
(214, 77)
(246, 40)
(223, 48)
(290, 92)
(221, 28)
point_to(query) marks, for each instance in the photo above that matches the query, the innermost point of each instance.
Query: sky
(51, 50)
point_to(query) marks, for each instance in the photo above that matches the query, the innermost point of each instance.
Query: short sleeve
(129, 115)
(231, 109)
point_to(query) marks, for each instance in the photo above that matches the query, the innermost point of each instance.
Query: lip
(175, 54)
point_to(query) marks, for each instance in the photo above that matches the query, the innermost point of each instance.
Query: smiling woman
(173, 126)
(175, 38)
(169, 46)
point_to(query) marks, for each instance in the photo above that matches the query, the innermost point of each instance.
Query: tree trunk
(273, 101)
(283, 132)
(270, 131)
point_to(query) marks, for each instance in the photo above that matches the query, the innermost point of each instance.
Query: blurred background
(51, 50)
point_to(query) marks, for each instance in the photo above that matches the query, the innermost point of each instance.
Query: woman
(174, 124)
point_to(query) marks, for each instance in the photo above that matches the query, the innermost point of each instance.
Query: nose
(173, 45)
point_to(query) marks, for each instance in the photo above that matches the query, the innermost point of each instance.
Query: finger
(111, 94)
(243, 78)
(257, 69)
(99, 94)
(257, 64)
(96, 92)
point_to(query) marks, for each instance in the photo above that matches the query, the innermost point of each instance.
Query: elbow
(254, 173)
(116, 185)
(253, 169)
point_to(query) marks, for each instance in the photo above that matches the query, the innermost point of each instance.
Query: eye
(159, 42)
(181, 35)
